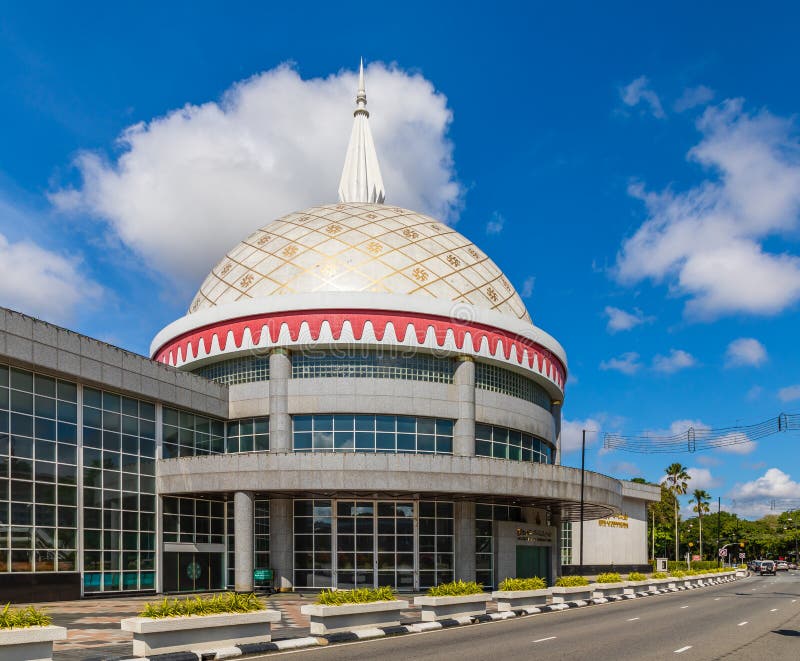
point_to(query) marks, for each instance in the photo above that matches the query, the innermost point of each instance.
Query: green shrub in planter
(609, 577)
(228, 602)
(572, 582)
(659, 574)
(357, 596)
(678, 574)
(455, 589)
(514, 584)
(21, 618)
(636, 576)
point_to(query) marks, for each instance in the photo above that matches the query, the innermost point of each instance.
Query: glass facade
(499, 379)
(38, 473)
(119, 502)
(358, 543)
(187, 435)
(371, 433)
(247, 435)
(193, 520)
(566, 543)
(237, 370)
(374, 365)
(485, 516)
(503, 443)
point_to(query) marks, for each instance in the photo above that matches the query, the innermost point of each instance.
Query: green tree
(700, 498)
(677, 481)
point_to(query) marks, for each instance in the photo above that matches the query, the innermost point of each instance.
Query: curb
(246, 649)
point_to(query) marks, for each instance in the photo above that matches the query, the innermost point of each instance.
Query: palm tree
(700, 498)
(677, 481)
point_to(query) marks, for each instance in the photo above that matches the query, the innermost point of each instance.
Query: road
(753, 619)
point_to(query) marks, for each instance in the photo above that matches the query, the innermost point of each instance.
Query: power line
(695, 439)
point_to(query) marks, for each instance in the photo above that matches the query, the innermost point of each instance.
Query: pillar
(280, 422)
(555, 557)
(281, 542)
(464, 534)
(243, 540)
(464, 429)
(556, 413)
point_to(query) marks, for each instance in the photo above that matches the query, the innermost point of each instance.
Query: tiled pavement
(93, 629)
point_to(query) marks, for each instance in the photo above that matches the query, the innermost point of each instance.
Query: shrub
(455, 589)
(357, 596)
(228, 602)
(572, 581)
(513, 584)
(679, 565)
(636, 576)
(609, 577)
(659, 574)
(20, 618)
(677, 573)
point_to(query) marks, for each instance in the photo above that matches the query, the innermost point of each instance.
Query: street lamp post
(794, 525)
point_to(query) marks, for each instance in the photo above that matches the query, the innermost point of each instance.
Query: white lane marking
(741, 624)
(772, 610)
(541, 640)
(684, 607)
(794, 600)
(683, 649)
(632, 619)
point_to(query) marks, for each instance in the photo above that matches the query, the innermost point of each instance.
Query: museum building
(357, 396)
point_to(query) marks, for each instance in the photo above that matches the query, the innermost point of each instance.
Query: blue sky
(634, 170)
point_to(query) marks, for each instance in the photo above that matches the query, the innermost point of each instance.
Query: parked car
(782, 565)
(792, 565)
(767, 567)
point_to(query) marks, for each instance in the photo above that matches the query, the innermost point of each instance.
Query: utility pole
(719, 528)
(583, 468)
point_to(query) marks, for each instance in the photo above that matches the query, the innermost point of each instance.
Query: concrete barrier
(350, 617)
(439, 608)
(509, 600)
(29, 643)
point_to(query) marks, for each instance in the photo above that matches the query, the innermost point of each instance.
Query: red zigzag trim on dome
(549, 363)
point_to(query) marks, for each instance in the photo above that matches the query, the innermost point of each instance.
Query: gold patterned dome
(358, 247)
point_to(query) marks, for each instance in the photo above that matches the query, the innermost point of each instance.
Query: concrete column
(556, 411)
(280, 422)
(464, 429)
(464, 540)
(243, 540)
(555, 558)
(281, 542)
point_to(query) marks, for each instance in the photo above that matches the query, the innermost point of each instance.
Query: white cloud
(639, 91)
(620, 320)
(627, 363)
(701, 478)
(192, 183)
(707, 243)
(693, 97)
(709, 460)
(572, 433)
(736, 443)
(789, 393)
(753, 498)
(527, 287)
(42, 283)
(496, 224)
(625, 469)
(745, 352)
(677, 360)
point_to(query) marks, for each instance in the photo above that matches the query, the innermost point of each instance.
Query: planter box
(635, 587)
(198, 633)
(30, 643)
(330, 619)
(439, 608)
(581, 593)
(606, 590)
(509, 600)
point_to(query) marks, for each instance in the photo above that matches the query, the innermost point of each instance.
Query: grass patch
(572, 582)
(637, 576)
(357, 596)
(514, 584)
(455, 589)
(22, 618)
(228, 602)
(609, 577)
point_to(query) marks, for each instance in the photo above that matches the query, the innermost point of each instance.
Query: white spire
(361, 176)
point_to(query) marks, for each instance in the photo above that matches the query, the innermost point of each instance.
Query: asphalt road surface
(753, 619)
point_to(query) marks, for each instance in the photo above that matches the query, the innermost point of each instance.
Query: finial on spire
(361, 176)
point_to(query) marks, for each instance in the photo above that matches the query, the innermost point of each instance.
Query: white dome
(356, 247)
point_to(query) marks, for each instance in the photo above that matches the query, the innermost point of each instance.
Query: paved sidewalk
(93, 629)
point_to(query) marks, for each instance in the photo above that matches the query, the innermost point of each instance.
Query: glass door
(375, 544)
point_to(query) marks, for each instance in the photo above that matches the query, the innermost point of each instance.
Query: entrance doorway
(533, 561)
(193, 572)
